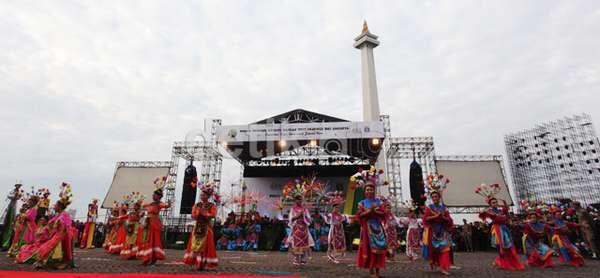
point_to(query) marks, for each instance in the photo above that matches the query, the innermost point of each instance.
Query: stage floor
(277, 264)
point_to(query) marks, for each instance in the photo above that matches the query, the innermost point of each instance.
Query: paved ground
(277, 263)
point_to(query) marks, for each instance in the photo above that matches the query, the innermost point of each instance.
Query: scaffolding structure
(397, 149)
(205, 152)
(556, 160)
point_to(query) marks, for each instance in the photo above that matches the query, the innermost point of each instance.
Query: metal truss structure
(205, 152)
(556, 160)
(396, 149)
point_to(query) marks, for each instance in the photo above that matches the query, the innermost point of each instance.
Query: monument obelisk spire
(366, 42)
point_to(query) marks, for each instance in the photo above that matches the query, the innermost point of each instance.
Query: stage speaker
(188, 194)
(417, 188)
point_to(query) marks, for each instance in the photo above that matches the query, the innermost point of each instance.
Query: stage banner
(300, 131)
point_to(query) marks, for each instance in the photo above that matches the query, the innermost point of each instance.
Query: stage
(276, 264)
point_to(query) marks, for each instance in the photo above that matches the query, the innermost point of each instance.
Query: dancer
(500, 235)
(42, 235)
(9, 216)
(43, 202)
(373, 245)
(120, 229)
(18, 231)
(201, 253)
(300, 241)
(336, 238)
(56, 252)
(391, 230)
(535, 230)
(568, 253)
(413, 232)
(437, 225)
(112, 227)
(87, 238)
(132, 226)
(25, 227)
(152, 247)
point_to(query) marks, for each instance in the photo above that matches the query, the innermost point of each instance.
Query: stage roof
(297, 128)
(465, 176)
(132, 179)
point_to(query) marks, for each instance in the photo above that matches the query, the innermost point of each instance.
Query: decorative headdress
(159, 184)
(436, 183)
(488, 192)
(28, 195)
(554, 209)
(66, 194)
(410, 206)
(534, 207)
(134, 198)
(335, 198)
(209, 189)
(295, 189)
(44, 190)
(363, 177)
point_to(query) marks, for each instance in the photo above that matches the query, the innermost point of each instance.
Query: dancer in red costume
(437, 225)
(130, 244)
(111, 222)
(507, 258)
(568, 253)
(201, 252)
(87, 238)
(151, 249)
(391, 224)
(535, 231)
(121, 231)
(371, 215)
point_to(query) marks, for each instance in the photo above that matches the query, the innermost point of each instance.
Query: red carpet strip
(24, 274)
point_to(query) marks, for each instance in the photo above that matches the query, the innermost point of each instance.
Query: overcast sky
(84, 84)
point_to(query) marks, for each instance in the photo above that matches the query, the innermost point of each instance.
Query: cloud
(86, 84)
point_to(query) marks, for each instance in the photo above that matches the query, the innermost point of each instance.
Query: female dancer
(373, 245)
(201, 252)
(535, 230)
(56, 252)
(568, 253)
(132, 235)
(42, 235)
(413, 232)
(111, 224)
(336, 238)
(19, 227)
(121, 231)
(9, 216)
(300, 241)
(87, 238)
(152, 248)
(391, 231)
(27, 225)
(437, 225)
(500, 235)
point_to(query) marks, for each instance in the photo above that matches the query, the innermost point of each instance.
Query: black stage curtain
(188, 194)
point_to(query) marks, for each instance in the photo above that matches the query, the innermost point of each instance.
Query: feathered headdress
(66, 194)
(436, 183)
(28, 195)
(362, 177)
(159, 184)
(335, 198)
(134, 198)
(488, 192)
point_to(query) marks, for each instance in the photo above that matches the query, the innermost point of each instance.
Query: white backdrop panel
(132, 179)
(465, 176)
